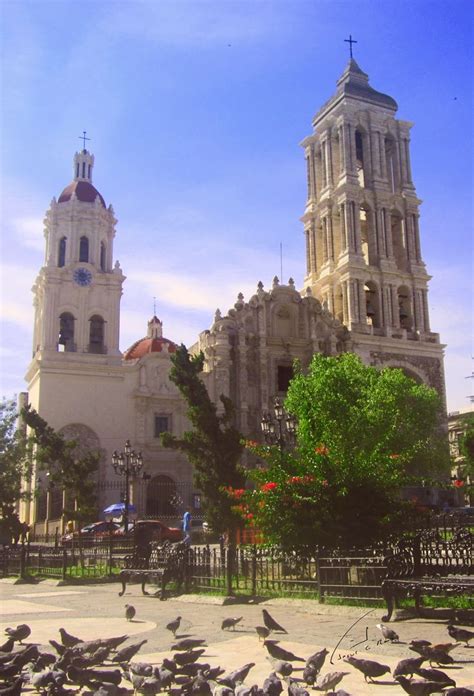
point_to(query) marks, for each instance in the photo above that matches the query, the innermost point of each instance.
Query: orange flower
(321, 449)
(325, 483)
(394, 456)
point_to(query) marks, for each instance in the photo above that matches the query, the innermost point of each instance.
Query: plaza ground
(94, 611)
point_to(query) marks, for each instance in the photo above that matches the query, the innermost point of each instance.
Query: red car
(154, 530)
(94, 529)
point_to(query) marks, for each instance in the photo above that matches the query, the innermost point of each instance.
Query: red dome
(149, 345)
(84, 191)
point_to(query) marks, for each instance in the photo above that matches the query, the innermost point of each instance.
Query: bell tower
(361, 223)
(78, 290)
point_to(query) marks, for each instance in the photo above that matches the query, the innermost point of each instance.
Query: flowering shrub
(360, 432)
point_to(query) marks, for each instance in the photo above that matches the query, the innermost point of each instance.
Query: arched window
(360, 164)
(66, 333)
(96, 334)
(399, 240)
(84, 249)
(77, 170)
(391, 163)
(404, 307)
(89, 171)
(103, 251)
(62, 252)
(372, 306)
(83, 170)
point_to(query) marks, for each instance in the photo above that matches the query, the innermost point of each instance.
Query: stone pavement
(91, 611)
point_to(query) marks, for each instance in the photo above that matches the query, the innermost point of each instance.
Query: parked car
(154, 529)
(94, 529)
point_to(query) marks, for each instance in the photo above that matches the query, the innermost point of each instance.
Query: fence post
(64, 564)
(254, 569)
(22, 562)
(39, 559)
(111, 557)
(230, 566)
(188, 559)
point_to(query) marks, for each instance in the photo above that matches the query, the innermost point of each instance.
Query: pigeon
(223, 691)
(459, 634)
(419, 688)
(173, 626)
(435, 675)
(14, 689)
(417, 644)
(143, 669)
(67, 639)
(329, 681)
(369, 668)
(188, 644)
(245, 690)
(237, 676)
(407, 667)
(280, 653)
(388, 633)
(231, 623)
(193, 668)
(126, 654)
(445, 647)
(459, 691)
(262, 632)
(130, 612)
(432, 655)
(272, 686)
(19, 633)
(310, 674)
(295, 690)
(317, 659)
(113, 643)
(271, 624)
(184, 658)
(281, 666)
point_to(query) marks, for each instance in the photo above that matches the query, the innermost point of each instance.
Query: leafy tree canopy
(67, 467)
(213, 446)
(14, 463)
(362, 434)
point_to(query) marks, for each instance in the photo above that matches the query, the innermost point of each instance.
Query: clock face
(82, 276)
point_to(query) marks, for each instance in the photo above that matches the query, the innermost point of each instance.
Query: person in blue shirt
(187, 526)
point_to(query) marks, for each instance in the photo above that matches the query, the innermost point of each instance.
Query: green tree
(15, 467)
(213, 446)
(466, 447)
(66, 466)
(362, 434)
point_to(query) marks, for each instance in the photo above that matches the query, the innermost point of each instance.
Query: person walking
(187, 526)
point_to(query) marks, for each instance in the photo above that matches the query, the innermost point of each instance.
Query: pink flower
(458, 483)
(325, 483)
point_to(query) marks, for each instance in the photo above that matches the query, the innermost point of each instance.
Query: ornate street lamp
(279, 428)
(128, 463)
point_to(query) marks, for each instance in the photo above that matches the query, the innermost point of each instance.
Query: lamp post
(278, 428)
(127, 463)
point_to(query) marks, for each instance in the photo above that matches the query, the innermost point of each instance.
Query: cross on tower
(83, 138)
(350, 41)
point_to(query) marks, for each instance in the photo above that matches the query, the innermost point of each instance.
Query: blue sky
(196, 111)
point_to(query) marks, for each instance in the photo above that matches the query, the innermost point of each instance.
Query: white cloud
(29, 231)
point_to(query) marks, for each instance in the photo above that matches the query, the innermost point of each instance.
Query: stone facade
(365, 290)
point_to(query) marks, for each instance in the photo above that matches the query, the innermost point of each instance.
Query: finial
(240, 296)
(154, 306)
(83, 138)
(276, 281)
(260, 285)
(308, 291)
(217, 315)
(291, 282)
(350, 41)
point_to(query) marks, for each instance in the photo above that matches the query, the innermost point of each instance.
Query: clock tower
(78, 290)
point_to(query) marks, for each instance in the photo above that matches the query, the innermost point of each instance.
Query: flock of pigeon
(103, 667)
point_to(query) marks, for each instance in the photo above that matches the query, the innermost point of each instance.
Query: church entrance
(161, 497)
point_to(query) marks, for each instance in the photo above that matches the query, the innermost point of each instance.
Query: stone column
(426, 316)
(342, 217)
(308, 250)
(388, 232)
(357, 233)
(330, 163)
(416, 233)
(345, 304)
(395, 307)
(375, 142)
(325, 239)
(330, 236)
(362, 302)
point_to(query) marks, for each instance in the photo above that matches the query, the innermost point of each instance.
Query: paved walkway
(93, 611)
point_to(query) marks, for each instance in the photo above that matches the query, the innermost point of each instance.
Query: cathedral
(364, 290)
